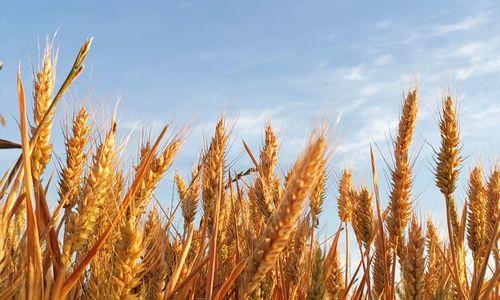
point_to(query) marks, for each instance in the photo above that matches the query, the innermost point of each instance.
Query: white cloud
(468, 23)
(480, 120)
(383, 24)
(370, 90)
(355, 73)
(487, 67)
(473, 51)
(331, 37)
(377, 122)
(251, 122)
(383, 60)
(489, 113)
(154, 124)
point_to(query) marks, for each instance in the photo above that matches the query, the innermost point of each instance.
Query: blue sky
(293, 62)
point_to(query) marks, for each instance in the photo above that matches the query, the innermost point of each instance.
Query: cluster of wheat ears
(254, 234)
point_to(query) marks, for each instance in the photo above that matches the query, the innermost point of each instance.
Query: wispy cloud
(375, 125)
(468, 23)
(480, 120)
(383, 60)
(447, 48)
(250, 123)
(354, 73)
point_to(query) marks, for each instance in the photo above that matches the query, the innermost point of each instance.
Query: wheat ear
(266, 183)
(94, 192)
(282, 222)
(476, 215)
(363, 220)
(126, 265)
(317, 197)
(448, 161)
(161, 163)
(414, 263)
(44, 87)
(189, 196)
(335, 283)
(76, 158)
(213, 170)
(378, 270)
(344, 202)
(401, 175)
(434, 273)
(153, 260)
(493, 197)
(316, 290)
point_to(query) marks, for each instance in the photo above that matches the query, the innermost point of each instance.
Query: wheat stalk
(447, 168)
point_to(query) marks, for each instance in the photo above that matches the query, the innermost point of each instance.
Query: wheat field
(249, 235)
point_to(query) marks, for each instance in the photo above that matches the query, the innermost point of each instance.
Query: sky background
(293, 63)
